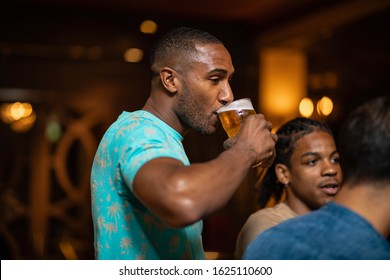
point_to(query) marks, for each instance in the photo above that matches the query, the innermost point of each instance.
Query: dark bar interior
(69, 68)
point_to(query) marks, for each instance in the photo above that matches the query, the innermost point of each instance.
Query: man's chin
(208, 131)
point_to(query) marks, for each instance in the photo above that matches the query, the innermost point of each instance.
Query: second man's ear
(168, 79)
(282, 173)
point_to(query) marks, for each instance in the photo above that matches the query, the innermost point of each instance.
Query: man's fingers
(269, 125)
(274, 137)
(229, 143)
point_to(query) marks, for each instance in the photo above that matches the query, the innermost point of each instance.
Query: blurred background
(69, 67)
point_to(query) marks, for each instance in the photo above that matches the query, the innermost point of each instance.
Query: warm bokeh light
(20, 116)
(24, 124)
(325, 106)
(6, 116)
(148, 27)
(20, 110)
(306, 107)
(282, 83)
(133, 55)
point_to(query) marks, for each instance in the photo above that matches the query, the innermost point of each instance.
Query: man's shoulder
(287, 240)
(307, 237)
(303, 237)
(274, 243)
(277, 213)
(138, 124)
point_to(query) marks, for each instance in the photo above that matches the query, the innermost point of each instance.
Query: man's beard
(191, 113)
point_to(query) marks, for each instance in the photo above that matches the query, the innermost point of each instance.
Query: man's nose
(226, 96)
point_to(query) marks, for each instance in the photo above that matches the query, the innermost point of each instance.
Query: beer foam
(239, 104)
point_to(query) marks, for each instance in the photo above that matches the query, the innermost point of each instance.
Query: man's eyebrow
(316, 153)
(218, 71)
(309, 154)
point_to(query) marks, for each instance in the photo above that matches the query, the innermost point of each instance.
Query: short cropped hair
(364, 142)
(179, 42)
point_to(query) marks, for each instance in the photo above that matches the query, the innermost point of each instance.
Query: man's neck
(369, 201)
(166, 115)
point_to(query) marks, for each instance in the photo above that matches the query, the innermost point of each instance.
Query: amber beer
(233, 115)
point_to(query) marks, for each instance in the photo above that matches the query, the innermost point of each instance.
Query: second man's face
(315, 173)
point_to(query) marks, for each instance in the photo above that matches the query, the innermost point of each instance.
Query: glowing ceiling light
(325, 106)
(20, 116)
(306, 107)
(148, 27)
(24, 124)
(133, 55)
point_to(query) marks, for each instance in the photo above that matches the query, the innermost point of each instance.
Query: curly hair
(288, 135)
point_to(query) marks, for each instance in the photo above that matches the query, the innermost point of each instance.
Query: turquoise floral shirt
(124, 228)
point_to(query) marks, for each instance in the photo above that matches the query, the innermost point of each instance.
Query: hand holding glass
(232, 115)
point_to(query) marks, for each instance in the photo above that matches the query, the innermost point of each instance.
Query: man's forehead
(214, 50)
(215, 56)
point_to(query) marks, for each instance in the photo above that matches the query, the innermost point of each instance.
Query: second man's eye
(335, 160)
(311, 162)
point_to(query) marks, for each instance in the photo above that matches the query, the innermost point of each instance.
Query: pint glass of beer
(233, 115)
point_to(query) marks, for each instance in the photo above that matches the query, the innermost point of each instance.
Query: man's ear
(282, 173)
(168, 79)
